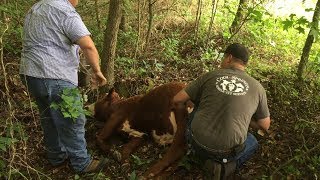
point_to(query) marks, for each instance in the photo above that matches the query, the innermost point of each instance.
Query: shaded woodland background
(145, 43)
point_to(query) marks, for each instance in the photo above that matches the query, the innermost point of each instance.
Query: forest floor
(290, 151)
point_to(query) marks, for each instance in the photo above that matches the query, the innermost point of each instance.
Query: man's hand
(97, 80)
(262, 124)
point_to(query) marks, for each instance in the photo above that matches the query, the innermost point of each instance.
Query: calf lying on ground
(150, 114)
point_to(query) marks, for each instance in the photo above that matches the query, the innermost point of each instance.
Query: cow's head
(103, 107)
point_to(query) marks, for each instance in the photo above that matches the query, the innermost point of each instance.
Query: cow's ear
(113, 95)
(111, 91)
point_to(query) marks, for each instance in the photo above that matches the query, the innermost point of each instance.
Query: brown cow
(151, 114)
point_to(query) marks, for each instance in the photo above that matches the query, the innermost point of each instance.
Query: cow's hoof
(148, 176)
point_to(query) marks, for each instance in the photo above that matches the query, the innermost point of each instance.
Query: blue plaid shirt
(51, 29)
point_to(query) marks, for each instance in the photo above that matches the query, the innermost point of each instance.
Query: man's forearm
(254, 125)
(92, 58)
(90, 52)
(262, 124)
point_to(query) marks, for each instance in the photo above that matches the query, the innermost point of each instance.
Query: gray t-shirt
(227, 100)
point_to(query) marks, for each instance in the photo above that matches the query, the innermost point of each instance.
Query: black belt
(232, 152)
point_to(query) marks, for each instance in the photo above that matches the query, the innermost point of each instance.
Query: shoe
(62, 164)
(96, 165)
(58, 167)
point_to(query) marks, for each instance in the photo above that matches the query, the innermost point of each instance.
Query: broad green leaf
(292, 16)
(54, 106)
(309, 9)
(133, 175)
(74, 114)
(302, 21)
(68, 99)
(7, 140)
(66, 115)
(287, 24)
(2, 164)
(3, 147)
(257, 15)
(76, 177)
(88, 113)
(300, 29)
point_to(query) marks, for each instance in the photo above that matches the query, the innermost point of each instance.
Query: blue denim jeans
(251, 145)
(63, 138)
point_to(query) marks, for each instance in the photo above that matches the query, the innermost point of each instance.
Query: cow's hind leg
(169, 171)
(176, 150)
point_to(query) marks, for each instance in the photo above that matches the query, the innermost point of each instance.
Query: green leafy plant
(159, 66)
(5, 142)
(71, 104)
(133, 176)
(188, 161)
(297, 23)
(170, 46)
(315, 163)
(76, 177)
(210, 54)
(138, 161)
(290, 169)
(314, 64)
(95, 176)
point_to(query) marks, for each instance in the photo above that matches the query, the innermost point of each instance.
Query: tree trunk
(213, 14)
(139, 31)
(123, 23)
(308, 44)
(239, 15)
(96, 5)
(150, 21)
(198, 17)
(83, 74)
(110, 42)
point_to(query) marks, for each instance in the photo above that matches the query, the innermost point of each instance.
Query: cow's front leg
(130, 147)
(111, 124)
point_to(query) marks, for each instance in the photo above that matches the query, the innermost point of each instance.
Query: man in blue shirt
(53, 34)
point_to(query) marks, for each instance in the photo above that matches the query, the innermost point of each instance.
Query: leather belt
(232, 152)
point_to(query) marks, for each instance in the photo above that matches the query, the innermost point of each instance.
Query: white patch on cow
(132, 132)
(190, 109)
(173, 122)
(166, 138)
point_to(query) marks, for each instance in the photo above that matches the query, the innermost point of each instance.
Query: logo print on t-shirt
(232, 85)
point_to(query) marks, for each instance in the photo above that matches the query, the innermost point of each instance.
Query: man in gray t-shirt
(227, 101)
